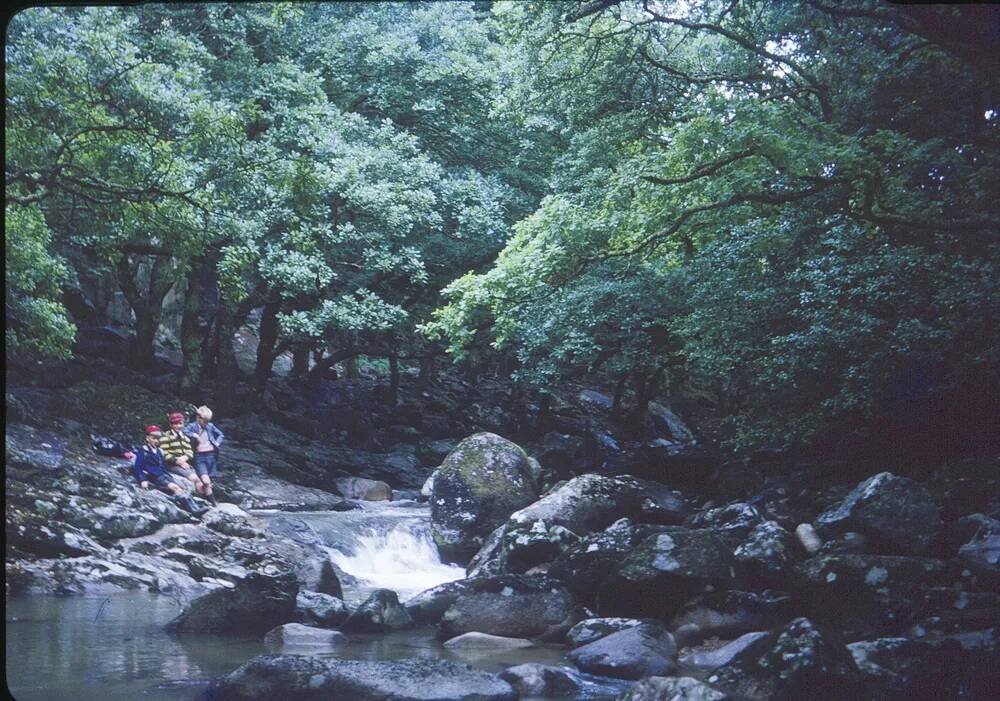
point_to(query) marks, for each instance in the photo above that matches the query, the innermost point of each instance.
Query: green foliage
(36, 320)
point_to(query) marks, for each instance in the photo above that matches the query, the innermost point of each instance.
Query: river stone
(586, 565)
(319, 609)
(732, 523)
(517, 606)
(798, 662)
(710, 659)
(850, 543)
(329, 580)
(481, 482)
(766, 556)
(591, 629)
(309, 678)
(725, 614)
(673, 689)
(255, 605)
(534, 679)
(232, 524)
(665, 570)
(298, 635)
(428, 606)
(899, 514)
(380, 612)
(867, 594)
(982, 554)
(108, 521)
(485, 641)
(364, 489)
(294, 529)
(584, 504)
(900, 669)
(633, 653)
(808, 538)
(46, 537)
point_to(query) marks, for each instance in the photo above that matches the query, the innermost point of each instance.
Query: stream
(106, 648)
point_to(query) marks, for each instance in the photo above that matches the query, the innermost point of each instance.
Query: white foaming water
(403, 559)
(381, 546)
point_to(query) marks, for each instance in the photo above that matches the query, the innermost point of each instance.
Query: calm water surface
(110, 648)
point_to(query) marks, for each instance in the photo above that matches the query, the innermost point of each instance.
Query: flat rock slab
(303, 678)
(298, 635)
(485, 641)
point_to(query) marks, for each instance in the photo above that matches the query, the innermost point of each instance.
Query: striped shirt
(174, 444)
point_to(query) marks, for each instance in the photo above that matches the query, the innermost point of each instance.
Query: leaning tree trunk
(147, 308)
(268, 341)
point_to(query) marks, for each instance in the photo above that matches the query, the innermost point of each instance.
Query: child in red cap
(150, 467)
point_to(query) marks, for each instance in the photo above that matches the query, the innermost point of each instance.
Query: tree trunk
(147, 308)
(226, 370)
(616, 403)
(300, 362)
(426, 372)
(544, 414)
(268, 339)
(393, 380)
(196, 324)
(351, 368)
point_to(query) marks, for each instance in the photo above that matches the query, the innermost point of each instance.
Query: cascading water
(382, 546)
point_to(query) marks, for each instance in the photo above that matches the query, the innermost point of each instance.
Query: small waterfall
(383, 547)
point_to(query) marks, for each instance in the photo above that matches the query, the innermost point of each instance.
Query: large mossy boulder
(898, 514)
(255, 605)
(481, 483)
(308, 678)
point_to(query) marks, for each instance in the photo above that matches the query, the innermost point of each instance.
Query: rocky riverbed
(649, 564)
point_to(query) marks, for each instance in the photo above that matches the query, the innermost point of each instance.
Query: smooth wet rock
(481, 482)
(364, 489)
(665, 570)
(633, 653)
(584, 504)
(517, 606)
(309, 678)
(766, 556)
(230, 522)
(533, 679)
(661, 504)
(329, 580)
(320, 609)
(485, 641)
(428, 606)
(898, 514)
(673, 689)
(380, 612)
(255, 605)
(808, 538)
(799, 662)
(710, 659)
(296, 635)
(591, 629)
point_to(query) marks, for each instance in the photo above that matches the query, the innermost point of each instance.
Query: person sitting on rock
(151, 467)
(207, 439)
(177, 449)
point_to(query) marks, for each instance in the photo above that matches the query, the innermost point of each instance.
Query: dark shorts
(162, 481)
(206, 463)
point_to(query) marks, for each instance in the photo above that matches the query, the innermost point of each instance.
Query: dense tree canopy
(784, 210)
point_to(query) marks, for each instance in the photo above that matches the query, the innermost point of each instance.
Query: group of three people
(183, 452)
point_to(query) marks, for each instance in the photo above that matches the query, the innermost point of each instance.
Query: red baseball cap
(175, 417)
(153, 430)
